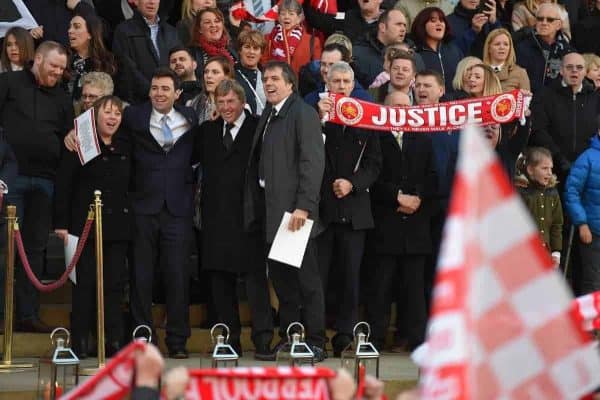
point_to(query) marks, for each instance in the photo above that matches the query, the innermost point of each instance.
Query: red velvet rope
(61, 281)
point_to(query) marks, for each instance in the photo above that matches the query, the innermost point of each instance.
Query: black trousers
(162, 240)
(411, 268)
(300, 294)
(225, 300)
(343, 246)
(84, 311)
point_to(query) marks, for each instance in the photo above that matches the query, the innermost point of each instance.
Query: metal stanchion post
(7, 365)
(99, 286)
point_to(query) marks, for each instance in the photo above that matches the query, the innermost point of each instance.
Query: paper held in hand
(70, 249)
(289, 247)
(85, 128)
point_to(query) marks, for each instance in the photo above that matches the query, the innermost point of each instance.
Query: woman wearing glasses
(499, 54)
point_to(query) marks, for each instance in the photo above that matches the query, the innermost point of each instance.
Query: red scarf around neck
(284, 43)
(216, 48)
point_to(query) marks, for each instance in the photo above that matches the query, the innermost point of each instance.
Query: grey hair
(340, 66)
(291, 5)
(100, 80)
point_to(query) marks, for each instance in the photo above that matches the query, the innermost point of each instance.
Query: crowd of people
(209, 127)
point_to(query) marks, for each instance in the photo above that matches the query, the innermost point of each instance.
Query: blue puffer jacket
(582, 191)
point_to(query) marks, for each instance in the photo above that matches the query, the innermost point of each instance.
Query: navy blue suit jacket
(160, 178)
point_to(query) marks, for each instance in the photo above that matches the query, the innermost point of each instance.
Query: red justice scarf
(448, 116)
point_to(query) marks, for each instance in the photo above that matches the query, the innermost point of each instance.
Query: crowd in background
(210, 128)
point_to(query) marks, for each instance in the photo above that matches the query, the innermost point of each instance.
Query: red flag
(587, 310)
(239, 12)
(113, 382)
(502, 324)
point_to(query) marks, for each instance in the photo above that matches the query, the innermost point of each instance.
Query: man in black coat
(352, 163)
(36, 113)
(142, 44)
(542, 48)
(564, 114)
(288, 160)
(402, 209)
(228, 251)
(163, 138)
(182, 62)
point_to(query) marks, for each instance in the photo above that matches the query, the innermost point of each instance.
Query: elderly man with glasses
(565, 114)
(542, 49)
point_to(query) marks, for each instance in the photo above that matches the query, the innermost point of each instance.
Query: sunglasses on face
(547, 19)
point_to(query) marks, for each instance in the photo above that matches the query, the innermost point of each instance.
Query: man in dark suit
(229, 252)
(142, 44)
(163, 138)
(352, 163)
(289, 159)
(401, 207)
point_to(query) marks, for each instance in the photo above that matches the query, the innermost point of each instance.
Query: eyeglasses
(571, 67)
(547, 19)
(89, 96)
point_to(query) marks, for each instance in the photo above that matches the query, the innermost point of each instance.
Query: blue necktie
(167, 133)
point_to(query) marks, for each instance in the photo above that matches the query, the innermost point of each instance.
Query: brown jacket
(514, 77)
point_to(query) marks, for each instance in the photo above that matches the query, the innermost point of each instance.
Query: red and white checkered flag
(502, 325)
(587, 309)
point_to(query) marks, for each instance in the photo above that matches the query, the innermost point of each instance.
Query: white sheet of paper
(289, 247)
(70, 248)
(85, 128)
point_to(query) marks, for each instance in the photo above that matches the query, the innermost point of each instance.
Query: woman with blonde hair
(592, 68)
(524, 12)
(499, 53)
(189, 9)
(482, 81)
(461, 77)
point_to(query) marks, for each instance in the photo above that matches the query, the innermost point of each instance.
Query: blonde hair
(491, 83)
(187, 12)
(341, 40)
(461, 69)
(591, 60)
(511, 59)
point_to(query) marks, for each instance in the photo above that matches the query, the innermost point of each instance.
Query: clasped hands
(408, 204)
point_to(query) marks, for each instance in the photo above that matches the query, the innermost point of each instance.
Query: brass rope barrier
(7, 365)
(99, 287)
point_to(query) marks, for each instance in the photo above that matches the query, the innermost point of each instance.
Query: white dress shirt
(176, 121)
(237, 125)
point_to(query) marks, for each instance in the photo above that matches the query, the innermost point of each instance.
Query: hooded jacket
(546, 210)
(582, 190)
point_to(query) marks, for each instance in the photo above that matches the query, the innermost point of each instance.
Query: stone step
(38, 344)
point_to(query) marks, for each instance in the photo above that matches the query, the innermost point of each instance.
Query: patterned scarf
(216, 48)
(282, 44)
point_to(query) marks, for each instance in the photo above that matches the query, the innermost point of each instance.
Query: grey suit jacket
(293, 154)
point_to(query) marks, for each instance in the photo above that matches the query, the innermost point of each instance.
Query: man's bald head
(397, 99)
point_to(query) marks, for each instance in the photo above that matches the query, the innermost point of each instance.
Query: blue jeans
(33, 198)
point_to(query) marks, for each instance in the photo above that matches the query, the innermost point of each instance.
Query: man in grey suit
(288, 159)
